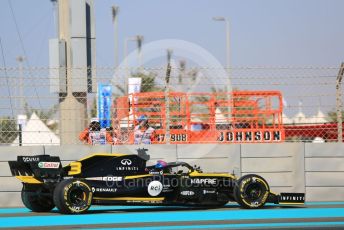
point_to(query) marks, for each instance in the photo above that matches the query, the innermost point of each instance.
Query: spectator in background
(95, 135)
(116, 132)
(114, 135)
(143, 133)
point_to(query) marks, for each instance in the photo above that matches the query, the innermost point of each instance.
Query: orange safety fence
(236, 117)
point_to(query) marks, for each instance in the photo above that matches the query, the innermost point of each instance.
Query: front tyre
(72, 196)
(251, 191)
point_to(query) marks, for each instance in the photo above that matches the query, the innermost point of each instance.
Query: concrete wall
(324, 171)
(282, 165)
(317, 169)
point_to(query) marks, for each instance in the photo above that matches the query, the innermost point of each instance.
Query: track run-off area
(312, 215)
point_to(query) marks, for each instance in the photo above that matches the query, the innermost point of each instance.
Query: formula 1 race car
(111, 179)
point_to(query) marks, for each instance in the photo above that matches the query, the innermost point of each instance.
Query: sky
(262, 33)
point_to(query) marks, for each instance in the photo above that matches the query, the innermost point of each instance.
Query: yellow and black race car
(110, 179)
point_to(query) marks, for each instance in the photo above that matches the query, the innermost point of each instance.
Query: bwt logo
(126, 162)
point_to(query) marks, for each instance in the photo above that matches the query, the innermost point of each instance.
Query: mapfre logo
(126, 162)
(203, 181)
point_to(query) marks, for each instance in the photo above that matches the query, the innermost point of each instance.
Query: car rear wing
(38, 166)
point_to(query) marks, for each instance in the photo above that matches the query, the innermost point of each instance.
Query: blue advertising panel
(104, 94)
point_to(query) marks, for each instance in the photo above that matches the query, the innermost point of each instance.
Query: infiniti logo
(126, 162)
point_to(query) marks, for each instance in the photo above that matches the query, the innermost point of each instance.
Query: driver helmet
(160, 164)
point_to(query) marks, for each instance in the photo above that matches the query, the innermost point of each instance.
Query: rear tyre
(36, 201)
(251, 191)
(72, 196)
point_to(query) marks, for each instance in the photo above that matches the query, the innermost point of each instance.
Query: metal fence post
(167, 94)
(339, 103)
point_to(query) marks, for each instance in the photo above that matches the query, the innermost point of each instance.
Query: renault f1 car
(111, 179)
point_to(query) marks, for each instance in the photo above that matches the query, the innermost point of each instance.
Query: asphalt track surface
(315, 215)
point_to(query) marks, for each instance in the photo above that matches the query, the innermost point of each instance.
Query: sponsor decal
(49, 165)
(126, 166)
(106, 178)
(95, 189)
(250, 136)
(30, 159)
(208, 192)
(203, 181)
(167, 188)
(179, 137)
(145, 201)
(156, 172)
(104, 94)
(292, 198)
(126, 162)
(94, 178)
(68, 177)
(155, 188)
(187, 193)
(112, 178)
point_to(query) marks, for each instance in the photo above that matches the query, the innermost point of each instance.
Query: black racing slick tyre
(73, 196)
(251, 191)
(35, 201)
